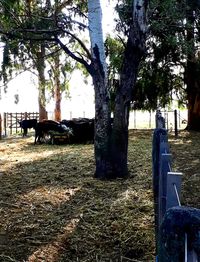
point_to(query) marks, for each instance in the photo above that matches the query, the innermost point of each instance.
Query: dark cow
(42, 129)
(82, 129)
(27, 123)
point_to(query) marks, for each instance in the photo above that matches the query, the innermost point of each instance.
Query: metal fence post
(175, 123)
(174, 180)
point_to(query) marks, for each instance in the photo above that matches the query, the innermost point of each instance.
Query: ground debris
(53, 210)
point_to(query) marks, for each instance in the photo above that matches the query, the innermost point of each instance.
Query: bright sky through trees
(25, 85)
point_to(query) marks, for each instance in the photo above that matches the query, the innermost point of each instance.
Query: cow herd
(77, 130)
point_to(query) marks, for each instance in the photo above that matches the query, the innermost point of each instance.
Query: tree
(31, 47)
(192, 68)
(172, 65)
(111, 143)
(111, 140)
(59, 74)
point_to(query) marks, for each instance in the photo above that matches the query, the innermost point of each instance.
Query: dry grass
(53, 210)
(186, 151)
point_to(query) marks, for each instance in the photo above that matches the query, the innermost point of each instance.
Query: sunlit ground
(53, 210)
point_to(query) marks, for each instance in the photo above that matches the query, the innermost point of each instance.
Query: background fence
(138, 120)
(10, 122)
(177, 228)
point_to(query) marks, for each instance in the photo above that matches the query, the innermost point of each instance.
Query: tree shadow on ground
(52, 209)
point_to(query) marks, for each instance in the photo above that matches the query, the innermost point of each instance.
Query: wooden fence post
(177, 223)
(160, 121)
(163, 178)
(16, 127)
(159, 137)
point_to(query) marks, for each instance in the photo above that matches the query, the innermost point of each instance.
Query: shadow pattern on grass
(52, 209)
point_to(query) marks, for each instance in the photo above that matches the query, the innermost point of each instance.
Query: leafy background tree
(172, 63)
(171, 66)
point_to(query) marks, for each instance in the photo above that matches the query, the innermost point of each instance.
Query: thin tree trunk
(57, 94)
(40, 64)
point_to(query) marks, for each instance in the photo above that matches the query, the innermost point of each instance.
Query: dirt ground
(53, 210)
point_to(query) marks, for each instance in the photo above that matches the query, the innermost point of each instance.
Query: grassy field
(53, 210)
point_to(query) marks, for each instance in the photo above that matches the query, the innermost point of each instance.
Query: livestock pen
(10, 122)
(139, 119)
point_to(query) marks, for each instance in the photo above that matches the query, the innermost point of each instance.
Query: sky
(81, 102)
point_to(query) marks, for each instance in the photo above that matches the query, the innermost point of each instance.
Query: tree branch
(72, 55)
(80, 42)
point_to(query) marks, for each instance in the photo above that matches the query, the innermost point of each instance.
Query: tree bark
(194, 112)
(104, 168)
(102, 110)
(192, 82)
(119, 146)
(57, 89)
(111, 143)
(40, 64)
(134, 51)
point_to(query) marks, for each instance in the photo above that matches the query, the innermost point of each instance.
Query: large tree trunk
(111, 144)
(134, 52)
(193, 93)
(192, 76)
(104, 168)
(40, 64)
(194, 112)
(102, 110)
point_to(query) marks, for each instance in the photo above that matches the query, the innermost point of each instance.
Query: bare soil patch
(53, 210)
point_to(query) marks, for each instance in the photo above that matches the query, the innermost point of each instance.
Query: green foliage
(161, 76)
(30, 24)
(124, 10)
(114, 51)
(155, 86)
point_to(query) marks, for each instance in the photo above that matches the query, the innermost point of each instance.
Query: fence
(11, 121)
(140, 119)
(174, 120)
(177, 228)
